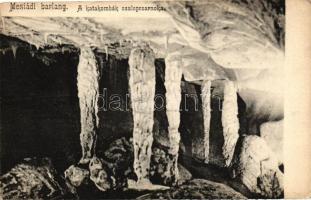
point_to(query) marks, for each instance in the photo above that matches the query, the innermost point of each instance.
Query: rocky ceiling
(240, 40)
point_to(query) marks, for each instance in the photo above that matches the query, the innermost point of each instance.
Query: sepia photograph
(184, 104)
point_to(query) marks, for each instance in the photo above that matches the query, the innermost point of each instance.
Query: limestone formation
(160, 161)
(230, 121)
(272, 133)
(173, 75)
(34, 179)
(99, 175)
(206, 105)
(76, 175)
(256, 166)
(142, 89)
(88, 92)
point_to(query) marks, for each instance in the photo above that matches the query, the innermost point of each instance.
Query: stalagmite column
(206, 105)
(142, 89)
(173, 74)
(88, 91)
(230, 121)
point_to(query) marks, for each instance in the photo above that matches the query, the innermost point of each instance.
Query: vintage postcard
(206, 99)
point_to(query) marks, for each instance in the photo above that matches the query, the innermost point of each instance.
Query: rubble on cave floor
(114, 170)
(196, 189)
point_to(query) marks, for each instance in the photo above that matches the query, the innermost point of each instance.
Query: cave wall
(39, 106)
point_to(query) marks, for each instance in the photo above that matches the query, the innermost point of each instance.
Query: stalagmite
(230, 121)
(142, 89)
(173, 74)
(88, 91)
(206, 105)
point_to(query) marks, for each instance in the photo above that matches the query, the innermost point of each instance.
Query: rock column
(206, 105)
(230, 121)
(173, 75)
(88, 91)
(142, 89)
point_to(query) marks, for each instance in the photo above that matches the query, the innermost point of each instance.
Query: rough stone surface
(99, 175)
(230, 121)
(256, 166)
(76, 175)
(160, 162)
(206, 106)
(117, 162)
(272, 133)
(88, 91)
(142, 89)
(118, 159)
(197, 66)
(34, 179)
(197, 189)
(255, 41)
(173, 74)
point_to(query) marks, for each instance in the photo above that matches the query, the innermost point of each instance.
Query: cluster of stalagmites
(250, 159)
(248, 165)
(142, 90)
(136, 162)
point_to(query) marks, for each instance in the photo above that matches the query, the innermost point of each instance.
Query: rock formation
(36, 179)
(230, 121)
(206, 105)
(256, 166)
(142, 89)
(173, 74)
(88, 91)
(272, 133)
(197, 189)
(99, 175)
(76, 175)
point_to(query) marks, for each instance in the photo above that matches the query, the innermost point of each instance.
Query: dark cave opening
(39, 107)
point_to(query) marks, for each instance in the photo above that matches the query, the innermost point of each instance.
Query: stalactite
(14, 50)
(106, 52)
(230, 121)
(102, 36)
(3, 24)
(37, 46)
(142, 88)
(173, 74)
(206, 105)
(88, 91)
(46, 36)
